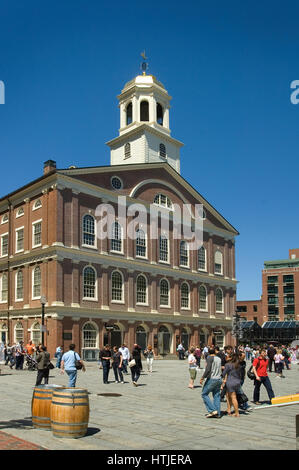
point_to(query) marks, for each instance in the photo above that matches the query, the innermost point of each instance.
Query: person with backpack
(286, 356)
(271, 353)
(259, 368)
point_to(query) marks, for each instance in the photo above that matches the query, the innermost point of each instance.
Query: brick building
(154, 291)
(251, 310)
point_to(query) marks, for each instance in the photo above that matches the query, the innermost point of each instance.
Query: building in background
(119, 290)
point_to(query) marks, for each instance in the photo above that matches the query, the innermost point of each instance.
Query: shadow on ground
(24, 423)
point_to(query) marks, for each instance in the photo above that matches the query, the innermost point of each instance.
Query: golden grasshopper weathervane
(144, 65)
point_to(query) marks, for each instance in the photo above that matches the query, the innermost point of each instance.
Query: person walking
(117, 361)
(192, 367)
(126, 356)
(181, 351)
(30, 348)
(261, 377)
(58, 355)
(137, 367)
(279, 362)
(43, 362)
(243, 405)
(197, 354)
(105, 357)
(286, 356)
(213, 382)
(19, 354)
(10, 355)
(247, 350)
(232, 375)
(68, 365)
(271, 353)
(150, 355)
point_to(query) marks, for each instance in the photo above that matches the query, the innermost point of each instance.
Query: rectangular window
(4, 245)
(37, 234)
(272, 279)
(288, 278)
(19, 240)
(163, 252)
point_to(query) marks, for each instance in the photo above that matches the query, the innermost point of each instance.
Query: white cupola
(144, 134)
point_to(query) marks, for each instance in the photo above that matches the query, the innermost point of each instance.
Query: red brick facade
(58, 202)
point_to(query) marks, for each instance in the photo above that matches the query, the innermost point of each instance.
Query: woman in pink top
(279, 358)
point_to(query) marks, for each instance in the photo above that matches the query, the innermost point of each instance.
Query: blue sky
(227, 65)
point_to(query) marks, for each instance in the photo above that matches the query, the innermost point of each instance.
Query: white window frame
(121, 251)
(205, 252)
(17, 299)
(35, 207)
(222, 306)
(187, 284)
(146, 290)
(159, 248)
(33, 297)
(115, 301)
(1, 281)
(17, 340)
(203, 309)
(20, 212)
(36, 222)
(4, 219)
(2, 236)
(188, 256)
(95, 298)
(169, 303)
(85, 245)
(18, 230)
(96, 330)
(145, 241)
(215, 255)
(35, 340)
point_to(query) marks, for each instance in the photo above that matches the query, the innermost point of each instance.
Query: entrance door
(185, 339)
(163, 341)
(116, 337)
(141, 337)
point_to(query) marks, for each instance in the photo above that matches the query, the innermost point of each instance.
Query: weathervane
(144, 64)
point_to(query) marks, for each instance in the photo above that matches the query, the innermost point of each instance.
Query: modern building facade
(116, 288)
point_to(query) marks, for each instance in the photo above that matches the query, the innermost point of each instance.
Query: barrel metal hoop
(69, 404)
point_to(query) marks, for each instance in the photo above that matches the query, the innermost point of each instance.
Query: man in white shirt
(126, 356)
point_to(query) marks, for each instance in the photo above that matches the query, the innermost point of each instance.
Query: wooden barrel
(41, 405)
(70, 412)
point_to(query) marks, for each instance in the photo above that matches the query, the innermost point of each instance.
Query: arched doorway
(90, 342)
(3, 333)
(163, 340)
(116, 337)
(185, 338)
(141, 337)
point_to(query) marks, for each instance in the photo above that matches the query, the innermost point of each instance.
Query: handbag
(242, 398)
(132, 363)
(50, 366)
(250, 374)
(78, 364)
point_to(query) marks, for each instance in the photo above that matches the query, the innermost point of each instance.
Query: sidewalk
(160, 414)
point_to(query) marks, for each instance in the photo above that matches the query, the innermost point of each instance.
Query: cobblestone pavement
(162, 413)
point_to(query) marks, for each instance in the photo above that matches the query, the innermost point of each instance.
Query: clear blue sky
(228, 66)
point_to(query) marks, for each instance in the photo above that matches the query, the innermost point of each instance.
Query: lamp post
(43, 301)
(236, 329)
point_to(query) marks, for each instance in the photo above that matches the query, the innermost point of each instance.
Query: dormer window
(127, 150)
(129, 114)
(37, 204)
(162, 151)
(159, 114)
(144, 111)
(163, 201)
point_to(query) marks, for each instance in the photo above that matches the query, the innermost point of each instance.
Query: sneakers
(213, 414)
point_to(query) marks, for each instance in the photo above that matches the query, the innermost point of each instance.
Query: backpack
(250, 374)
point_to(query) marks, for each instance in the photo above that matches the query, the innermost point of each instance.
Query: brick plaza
(160, 414)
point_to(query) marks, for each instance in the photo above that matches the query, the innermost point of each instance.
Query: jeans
(270, 364)
(181, 354)
(212, 386)
(286, 363)
(72, 377)
(58, 362)
(135, 372)
(118, 373)
(247, 355)
(257, 385)
(125, 365)
(19, 362)
(106, 368)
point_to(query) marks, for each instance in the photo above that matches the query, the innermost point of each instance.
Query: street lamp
(43, 301)
(236, 328)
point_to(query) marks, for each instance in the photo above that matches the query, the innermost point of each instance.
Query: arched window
(19, 285)
(89, 230)
(219, 300)
(116, 237)
(164, 292)
(185, 295)
(163, 249)
(163, 201)
(159, 114)
(184, 257)
(20, 212)
(162, 151)
(19, 332)
(127, 150)
(37, 283)
(117, 286)
(4, 288)
(37, 204)
(202, 259)
(89, 336)
(4, 219)
(144, 111)
(140, 243)
(89, 283)
(141, 289)
(218, 262)
(36, 335)
(202, 298)
(129, 114)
